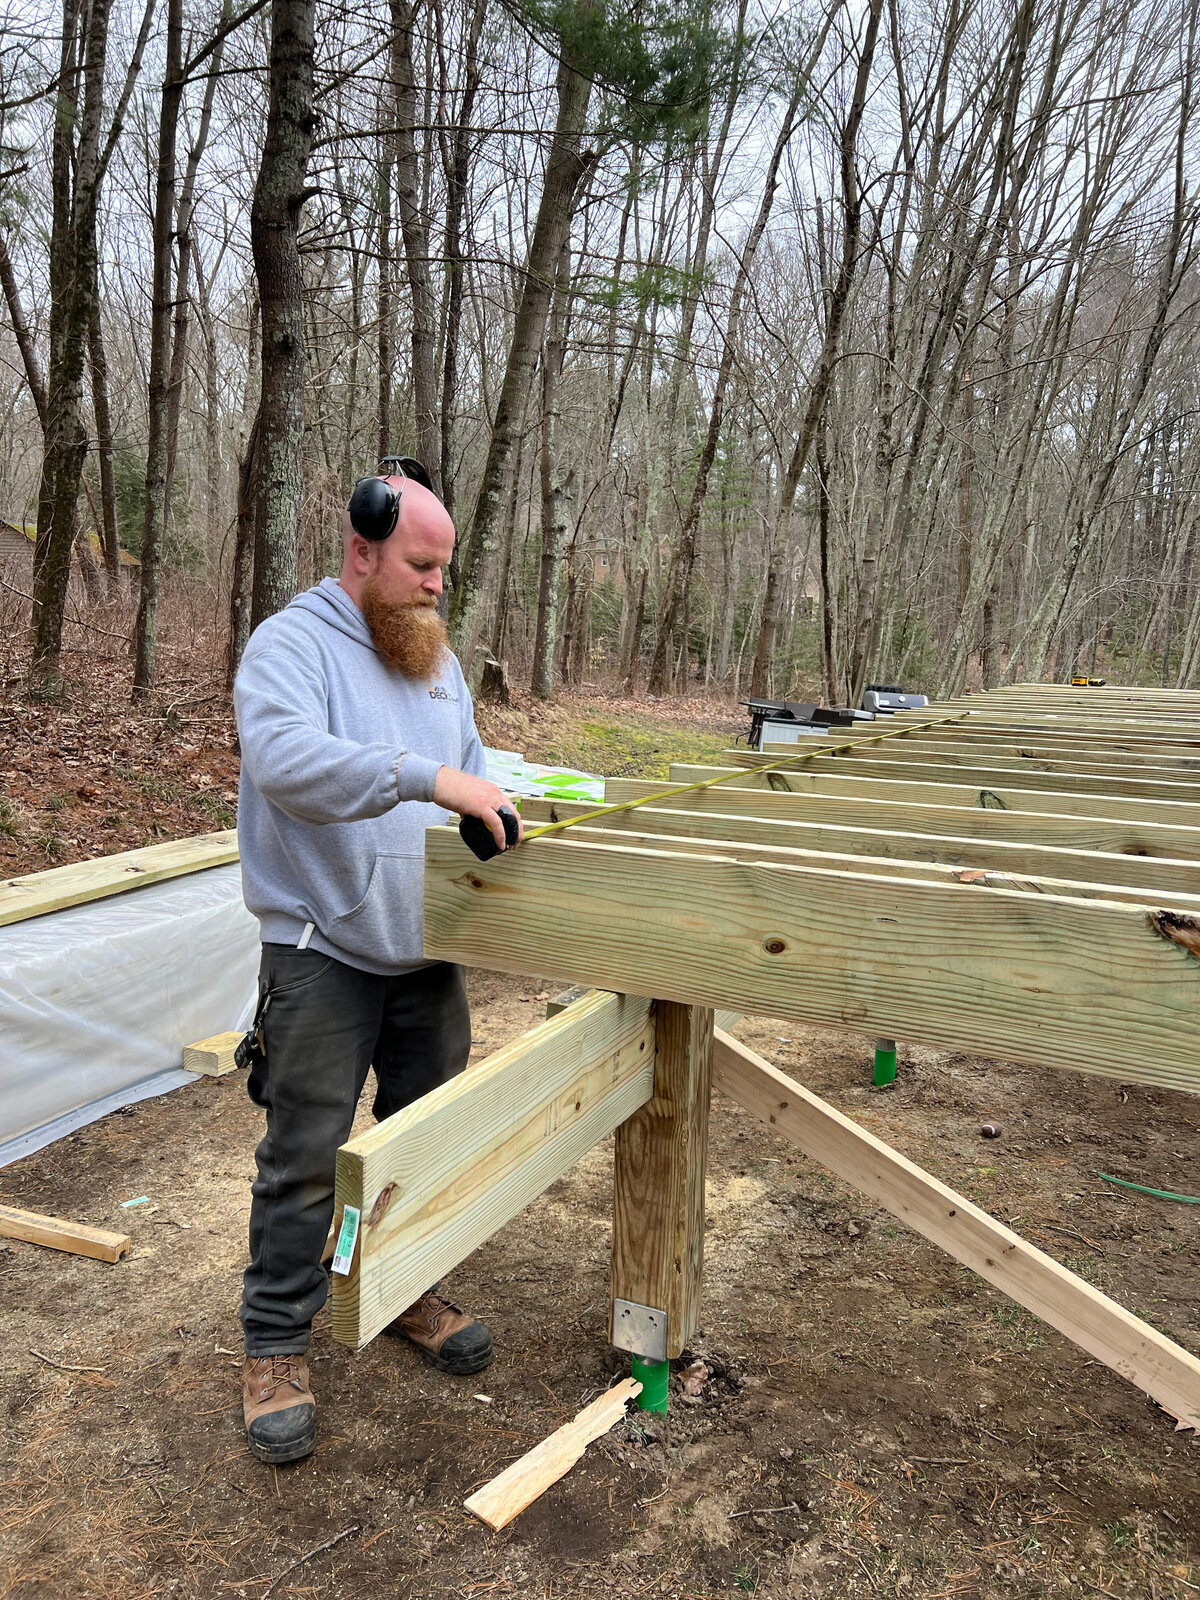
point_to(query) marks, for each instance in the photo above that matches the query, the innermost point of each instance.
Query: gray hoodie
(333, 742)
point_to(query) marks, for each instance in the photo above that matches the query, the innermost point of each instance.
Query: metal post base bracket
(641, 1330)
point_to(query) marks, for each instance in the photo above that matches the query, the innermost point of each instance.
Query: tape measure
(475, 834)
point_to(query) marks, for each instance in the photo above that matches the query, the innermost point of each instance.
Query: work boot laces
(280, 1370)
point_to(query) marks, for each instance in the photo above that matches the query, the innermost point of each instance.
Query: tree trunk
(241, 580)
(414, 229)
(456, 193)
(565, 167)
(553, 521)
(104, 452)
(34, 375)
(279, 195)
(386, 310)
(75, 178)
(155, 510)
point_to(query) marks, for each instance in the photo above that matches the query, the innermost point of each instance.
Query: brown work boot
(278, 1405)
(444, 1334)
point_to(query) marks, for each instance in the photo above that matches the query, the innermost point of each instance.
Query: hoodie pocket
(386, 924)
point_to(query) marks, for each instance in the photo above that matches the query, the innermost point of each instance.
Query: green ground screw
(885, 1062)
(653, 1376)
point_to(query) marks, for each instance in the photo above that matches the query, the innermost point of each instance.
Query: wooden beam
(1098, 1324)
(520, 1484)
(1155, 878)
(436, 1180)
(1002, 795)
(1087, 984)
(213, 1057)
(1105, 834)
(972, 746)
(59, 887)
(1102, 785)
(658, 1186)
(76, 1238)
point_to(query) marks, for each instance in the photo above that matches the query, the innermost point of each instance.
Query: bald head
(407, 565)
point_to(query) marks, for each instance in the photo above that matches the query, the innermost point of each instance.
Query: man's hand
(475, 797)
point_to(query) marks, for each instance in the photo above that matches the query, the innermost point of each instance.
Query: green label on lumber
(347, 1239)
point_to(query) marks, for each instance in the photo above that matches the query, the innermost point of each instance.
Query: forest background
(776, 349)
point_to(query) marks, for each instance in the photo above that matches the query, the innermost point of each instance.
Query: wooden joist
(1087, 984)
(1004, 795)
(1098, 1324)
(76, 1238)
(59, 887)
(436, 1180)
(959, 764)
(1106, 834)
(1037, 868)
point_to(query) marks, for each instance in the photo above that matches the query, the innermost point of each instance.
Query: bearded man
(357, 734)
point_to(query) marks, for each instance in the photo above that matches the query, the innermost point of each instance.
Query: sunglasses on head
(375, 504)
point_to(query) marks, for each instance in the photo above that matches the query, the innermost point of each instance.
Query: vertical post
(658, 1192)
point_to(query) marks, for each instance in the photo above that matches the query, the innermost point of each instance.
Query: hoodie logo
(438, 693)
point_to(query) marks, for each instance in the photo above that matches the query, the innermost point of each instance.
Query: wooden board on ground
(1102, 1327)
(520, 1484)
(59, 887)
(436, 1180)
(213, 1057)
(1087, 984)
(76, 1238)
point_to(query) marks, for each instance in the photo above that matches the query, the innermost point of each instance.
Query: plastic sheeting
(97, 1002)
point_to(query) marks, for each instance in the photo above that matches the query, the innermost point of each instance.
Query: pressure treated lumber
(1090, 985)
(1148, 783)
(1159, 880)
(213, 1057)
(1002, 795)
(723, 846)
(1105, 834)
(76, 1238)
(436, 1180)
(658, 1183)
(1102, 1327)
(59, 887)
(1049, 750)
(520, 1484)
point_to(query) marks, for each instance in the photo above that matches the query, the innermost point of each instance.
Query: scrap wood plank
(999, 796)
(520, 1484)
(1183, 787)
(436, 1180)
(60, 887)
(1102, 1327)
(1106, 834)
(76, 1238)
(1086, 984)
(1158, 879)
(213, 1057)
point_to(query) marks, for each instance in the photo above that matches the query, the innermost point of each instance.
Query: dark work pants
(326, 1024)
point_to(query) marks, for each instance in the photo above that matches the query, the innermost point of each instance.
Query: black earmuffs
(375, 505)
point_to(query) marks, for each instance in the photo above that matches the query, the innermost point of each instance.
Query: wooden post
(658, 1193)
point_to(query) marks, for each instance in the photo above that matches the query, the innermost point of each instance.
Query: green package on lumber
(59, 887)
(76, 1238)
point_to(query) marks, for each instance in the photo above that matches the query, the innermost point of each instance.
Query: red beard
(410, 638)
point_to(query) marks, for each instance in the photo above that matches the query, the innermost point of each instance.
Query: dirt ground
(877, 1422)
